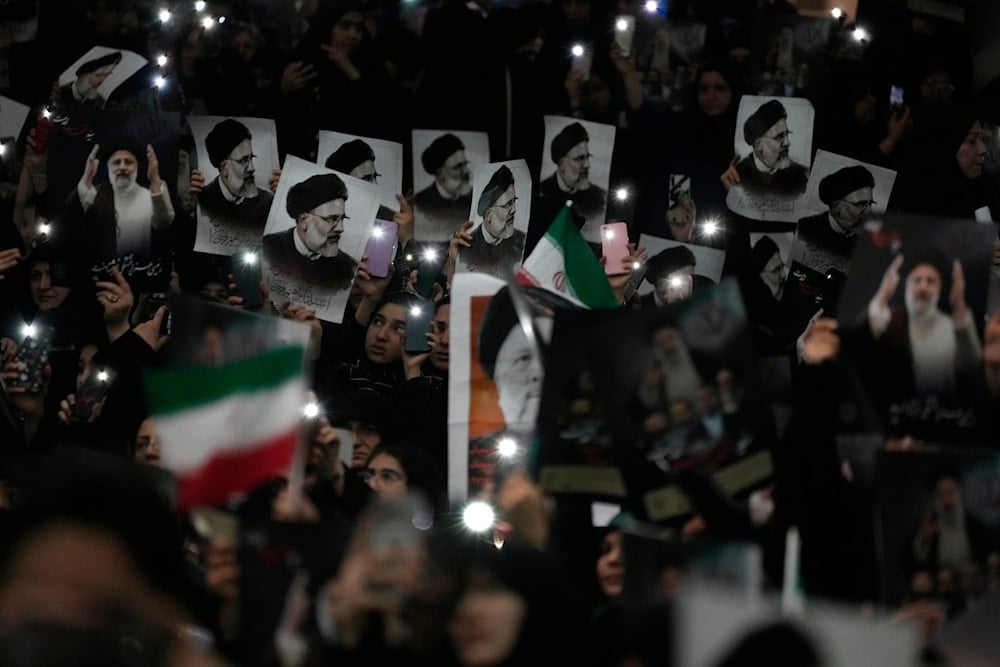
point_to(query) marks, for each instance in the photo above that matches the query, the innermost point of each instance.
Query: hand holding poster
(500, 225)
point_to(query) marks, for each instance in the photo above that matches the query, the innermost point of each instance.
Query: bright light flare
(837, 13)
(161, 60)
(621, 25)
(621, 194)
(507, 447)
(199, 6)
(249, 258)
(577, 50)
(159, 82)
(652, 6)
(102, 376)
(478, 516)
(430, 254)
(28, 330)
(860, 35)
(165, 16)
(710, 228)
(378, 233)
(310, 410)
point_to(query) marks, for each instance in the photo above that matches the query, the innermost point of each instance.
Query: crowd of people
(367, 560)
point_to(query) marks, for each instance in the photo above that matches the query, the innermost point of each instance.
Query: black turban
(349, 156)
(312, 192)
(569, 136)
(97, 63)
(841, 183)
(440, 150)
(762, 252)
(501, 317)
(223, 138)
(499, 182)
(668, 261)
(761, 120)
(122, 143)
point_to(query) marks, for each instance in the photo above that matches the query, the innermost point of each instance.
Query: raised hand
(153, 171)
(9, 259)
(890, 281)
(959, 309)
(116, 299)
(90, 169)
(730, 176)
(819, 342)
(297, 76)
(196, 183)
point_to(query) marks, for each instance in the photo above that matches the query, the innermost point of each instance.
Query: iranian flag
(226, 429)
(563, 263)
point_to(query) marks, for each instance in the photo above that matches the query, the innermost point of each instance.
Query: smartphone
(624, 34)
(381, 248)
(614, 247)
(167, 324)
(896, 99)
(680, 189)
(430, 259)
(633, 282)
(31, 358)
(418, 325)
(832, 287)
(582, 58)
(148, 304)
(246, 274)
(92, 393)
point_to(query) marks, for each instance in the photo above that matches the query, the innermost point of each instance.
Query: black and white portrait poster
(89, 82)
(683, 265)
(576, 166)
(501, 206)
(911, 312)
(377, 161)
(774, 142)
(842, 194)
(938, 509)
(236, 157)
(792, 51)
(316, 235)
(719, 627)
(112, 181)
(687, 42)
(442, 180)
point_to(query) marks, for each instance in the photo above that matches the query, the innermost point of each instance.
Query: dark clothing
(437, 218)
(589, 203)
(67, 99)
(789, 181)
(329, 272)
(485, 258)
(820, 238)
(250, 212)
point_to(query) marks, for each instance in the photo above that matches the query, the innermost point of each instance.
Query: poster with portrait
(236, 157)
(442, 180)
(350, 154)
(911, 314)
(576, 166)
(774, 143)
(792, 54)
(13, 114)
(111, 185)
(715, 627)
(89, 82)
(501, 206)
(316, 235)
(937, 508)
(705, 270)
(842, 194)
(654, 393)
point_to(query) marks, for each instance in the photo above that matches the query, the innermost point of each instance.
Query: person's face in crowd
(453, 176)
(237, 171)
(972, 153)
(714, 94)
(366, 172)
(486, 623)
(921, 584)
(574, 167)
(518, 378)
(611, 564)
(347, 32)
(147, 444)
(85, 364)
(947, 493)
(707, 401)
(191, 51)
(123, 169)
(498, 219)
(849, 210)
(676, 286)
(923, 287)
(245, 45)
(681, 413)
(773, 275)
(772, 147)
(88, 83)
(385, 476)
(596, 100)
(442, 318)
(947, 581)
(864, 110)
(937, 89)
(385, 334)
(45, 295)
(366, 438)
(576, 12)
(321, 228)
(214, 291)
(530, 49)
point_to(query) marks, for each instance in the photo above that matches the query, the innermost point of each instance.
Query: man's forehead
(776, 129)
(580, 149)
(455, 158)
(507, 195)
(242, 149)
(393, 311)
(122, 154)
(925, 268)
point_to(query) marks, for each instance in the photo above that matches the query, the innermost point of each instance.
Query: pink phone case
(381, 248)
(614, 247)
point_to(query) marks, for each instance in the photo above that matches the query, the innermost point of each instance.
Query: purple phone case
(380, 249)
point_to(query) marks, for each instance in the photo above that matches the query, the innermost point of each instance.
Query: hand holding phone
(896, 100)
(381, 248)
(418, 324)
(624, 34)
(91, 394)
(614, 247)
(30, 360)
(581, 62)
(246, 274)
